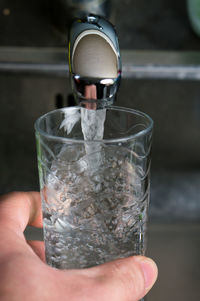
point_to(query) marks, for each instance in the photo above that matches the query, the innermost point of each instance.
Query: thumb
(127, 279)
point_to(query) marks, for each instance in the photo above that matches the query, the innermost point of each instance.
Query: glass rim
(141, 133)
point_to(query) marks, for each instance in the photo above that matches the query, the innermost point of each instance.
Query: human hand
(25, 276)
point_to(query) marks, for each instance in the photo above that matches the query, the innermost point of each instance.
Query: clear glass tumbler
(94, 187)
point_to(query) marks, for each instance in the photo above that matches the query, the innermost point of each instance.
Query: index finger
(19, 209)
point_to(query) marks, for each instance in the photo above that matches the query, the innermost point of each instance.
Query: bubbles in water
(93, 206)
(92, 219)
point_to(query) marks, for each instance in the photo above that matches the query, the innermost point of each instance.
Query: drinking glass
(94, 171)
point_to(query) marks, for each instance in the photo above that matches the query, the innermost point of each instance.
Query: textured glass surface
(95, 194)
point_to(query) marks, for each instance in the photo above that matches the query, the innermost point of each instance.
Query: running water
(92, 124)
(94, 212)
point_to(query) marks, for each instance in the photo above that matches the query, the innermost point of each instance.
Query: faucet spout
(94, 60)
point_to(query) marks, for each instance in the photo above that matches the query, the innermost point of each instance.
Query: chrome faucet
(94, 60)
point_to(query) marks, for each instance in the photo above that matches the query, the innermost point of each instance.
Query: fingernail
(150, 271)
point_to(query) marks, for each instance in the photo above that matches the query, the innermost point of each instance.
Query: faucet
(94, 61)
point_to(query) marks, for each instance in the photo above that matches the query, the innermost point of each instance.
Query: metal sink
(161, 73)
(29, 88)
(175, 248)
(164, 85)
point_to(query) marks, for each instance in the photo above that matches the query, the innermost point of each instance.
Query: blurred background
(160, 45)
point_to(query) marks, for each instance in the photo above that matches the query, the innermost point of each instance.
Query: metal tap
(94, 60)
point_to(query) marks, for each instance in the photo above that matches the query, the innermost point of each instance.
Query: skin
(24, 275)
